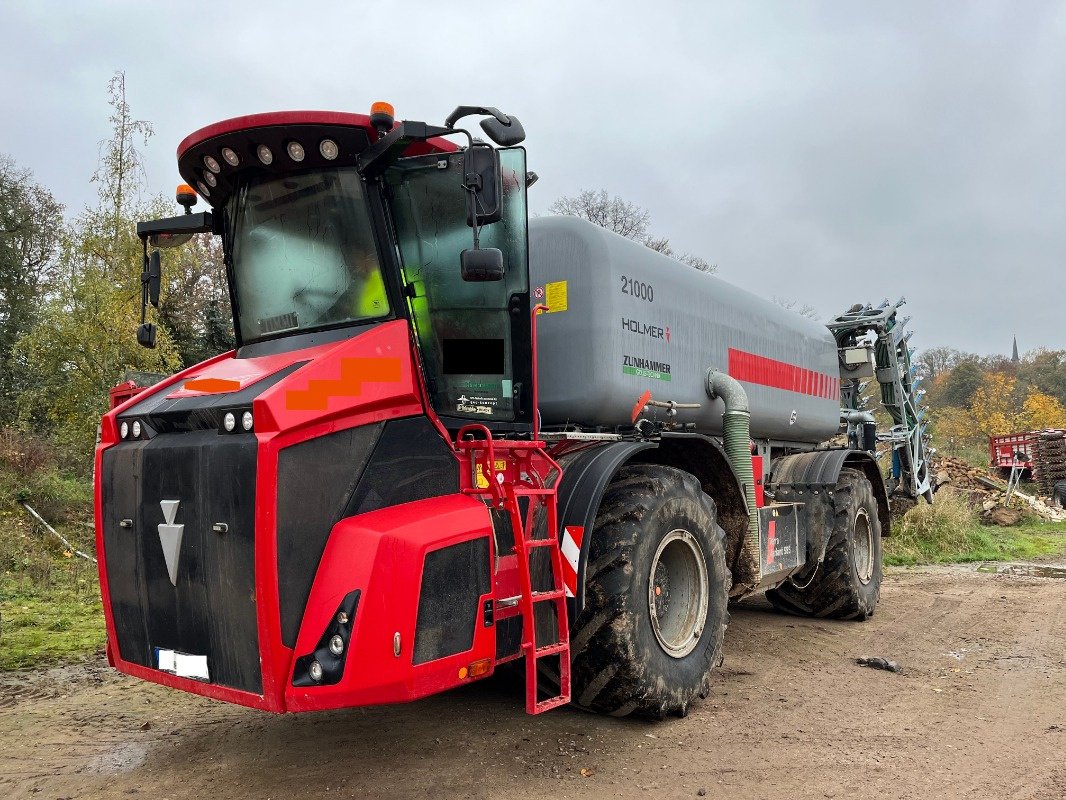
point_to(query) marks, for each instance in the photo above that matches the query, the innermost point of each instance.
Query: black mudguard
(809, 478)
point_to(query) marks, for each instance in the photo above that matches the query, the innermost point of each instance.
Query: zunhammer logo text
(645, 368)
(644, 329)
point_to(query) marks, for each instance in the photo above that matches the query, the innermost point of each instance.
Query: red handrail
(533, 331)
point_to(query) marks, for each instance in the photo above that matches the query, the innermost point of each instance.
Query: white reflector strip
(182, 664)
(571, 551)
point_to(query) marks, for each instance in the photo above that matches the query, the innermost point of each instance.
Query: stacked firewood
(956, 472)
(1049, 460)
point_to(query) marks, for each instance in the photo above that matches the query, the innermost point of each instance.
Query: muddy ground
(979, 710)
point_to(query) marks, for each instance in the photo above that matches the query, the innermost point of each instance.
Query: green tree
(79, 349)
(31, 222)
(955, 429)
(960, 384)
(1046, 371)
(83, 337)
(194, 302)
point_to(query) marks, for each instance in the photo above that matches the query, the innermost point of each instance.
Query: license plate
(184, 665)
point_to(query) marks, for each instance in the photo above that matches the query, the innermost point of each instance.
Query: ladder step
(549, 704)
(551, 649)
(540, 542)
(553, 594)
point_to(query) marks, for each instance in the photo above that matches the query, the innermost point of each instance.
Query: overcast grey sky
(827, 152)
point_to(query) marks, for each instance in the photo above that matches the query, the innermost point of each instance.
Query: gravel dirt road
(979, 711)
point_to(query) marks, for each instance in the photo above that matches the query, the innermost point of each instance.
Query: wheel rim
(864, 547)
(678, 593)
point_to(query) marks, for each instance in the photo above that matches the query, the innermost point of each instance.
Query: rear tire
(1058, 495)
(847, 584)
(656, 596)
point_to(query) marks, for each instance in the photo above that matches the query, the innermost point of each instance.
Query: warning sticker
(479, 473)
(555, 296)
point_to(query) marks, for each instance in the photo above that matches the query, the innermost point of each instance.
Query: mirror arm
(373, 161)
(186, 223)
(146, 330)
(464, 111)
(144, 277)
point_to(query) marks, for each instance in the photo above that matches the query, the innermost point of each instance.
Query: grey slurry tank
(624, 320)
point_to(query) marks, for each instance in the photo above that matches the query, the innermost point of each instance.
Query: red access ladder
(507, 471)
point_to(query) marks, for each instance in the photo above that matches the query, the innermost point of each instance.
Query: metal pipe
(736, 425)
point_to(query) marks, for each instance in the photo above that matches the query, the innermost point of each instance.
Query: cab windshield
(304, 254)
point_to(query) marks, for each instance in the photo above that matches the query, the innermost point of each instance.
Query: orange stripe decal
(212, 385)
(354, 373)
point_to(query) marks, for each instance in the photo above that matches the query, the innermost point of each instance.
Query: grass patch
(41, 628)
(949, 531)
(50, 608)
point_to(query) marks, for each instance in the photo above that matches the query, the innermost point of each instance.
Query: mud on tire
(620, 664)
(847, 584)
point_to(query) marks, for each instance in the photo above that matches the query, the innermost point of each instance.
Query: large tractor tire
(1058, 495)
(847, 584)
(656, 597)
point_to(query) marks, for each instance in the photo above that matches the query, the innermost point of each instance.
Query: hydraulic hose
(736, 426)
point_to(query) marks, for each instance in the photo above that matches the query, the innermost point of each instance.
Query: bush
(947, 521)
(949, 530)
(29, 474)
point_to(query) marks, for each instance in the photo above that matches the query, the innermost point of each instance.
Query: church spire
(1014, 355)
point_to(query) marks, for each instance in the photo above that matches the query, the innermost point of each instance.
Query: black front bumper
(211, 608)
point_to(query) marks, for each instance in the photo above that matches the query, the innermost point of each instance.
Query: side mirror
(168, 239)
(482, 176)
(146, 335)
(504, 134)
(483, 264)
(153, 278)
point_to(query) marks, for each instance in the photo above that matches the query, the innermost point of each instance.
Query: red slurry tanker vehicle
(451, 437)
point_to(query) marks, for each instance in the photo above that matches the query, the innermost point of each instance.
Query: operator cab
(333, 223)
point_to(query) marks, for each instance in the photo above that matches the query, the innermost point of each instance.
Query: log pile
(986, 492)
(965, 477)
(1049, 460)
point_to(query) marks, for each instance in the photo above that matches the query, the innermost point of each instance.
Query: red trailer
(1041, 454)
(1012, 450)
(132, 385)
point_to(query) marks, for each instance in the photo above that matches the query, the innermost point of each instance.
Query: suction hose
(737, 435)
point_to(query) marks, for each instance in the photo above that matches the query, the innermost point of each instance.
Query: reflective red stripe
(570, 548)
(764, 371)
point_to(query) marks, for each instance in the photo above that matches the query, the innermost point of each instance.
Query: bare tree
(612, 213)
(937, 360)
(804, 310)
(121, 170)
(624, 218)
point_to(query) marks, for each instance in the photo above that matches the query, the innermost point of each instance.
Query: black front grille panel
(454, 579)
(212, 608)
(349, 472)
